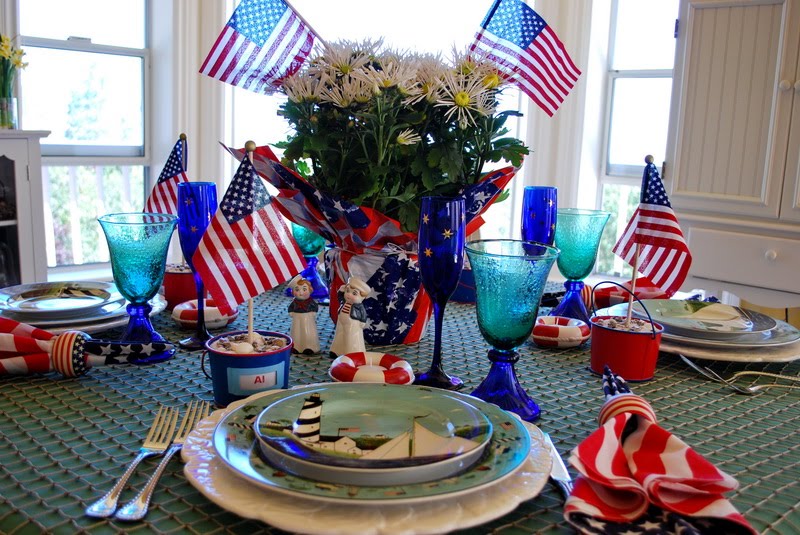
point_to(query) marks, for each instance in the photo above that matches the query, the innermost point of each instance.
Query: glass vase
(8, 113)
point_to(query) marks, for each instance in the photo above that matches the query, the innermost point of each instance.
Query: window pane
(75, 196)
(83, 98)
(107, 22)
(639, 120)
(645, 34)
(621, 200)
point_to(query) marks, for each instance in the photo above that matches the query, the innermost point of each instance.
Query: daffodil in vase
(10, 62)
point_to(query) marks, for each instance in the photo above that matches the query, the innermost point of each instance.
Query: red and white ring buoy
(371, 367)
(185, 315)
(558, 331)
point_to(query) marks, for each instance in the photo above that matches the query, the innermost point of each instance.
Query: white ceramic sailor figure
(303, 310)
(349, 337)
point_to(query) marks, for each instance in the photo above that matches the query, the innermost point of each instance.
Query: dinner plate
(782, 334)
(93, 325)
(699, 319)
(372, 434)
(213, 478)
(57, 299)
(234, 444)
(105, 312)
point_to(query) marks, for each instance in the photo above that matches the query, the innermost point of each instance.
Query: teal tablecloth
(65, 441)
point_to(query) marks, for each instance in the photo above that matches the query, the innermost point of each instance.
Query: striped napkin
(636, 477)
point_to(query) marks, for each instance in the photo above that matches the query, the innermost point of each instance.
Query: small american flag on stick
(653, 237)
(528, 52)
(164, 197)
(263, 42)
(247, 249)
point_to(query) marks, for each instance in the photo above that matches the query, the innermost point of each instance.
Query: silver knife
(559, 473)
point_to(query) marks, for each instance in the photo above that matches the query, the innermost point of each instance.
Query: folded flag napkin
(25, 349)
(636, 477)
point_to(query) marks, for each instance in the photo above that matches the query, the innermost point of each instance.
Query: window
(86, 83)
(445, 25)
(641, 56)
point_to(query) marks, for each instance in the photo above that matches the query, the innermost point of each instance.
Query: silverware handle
(136, 509)
(566, 487)
(105, 506)
(767, 374)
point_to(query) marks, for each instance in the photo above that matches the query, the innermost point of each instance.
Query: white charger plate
(51, 300)
(100, 323)
(215, 480)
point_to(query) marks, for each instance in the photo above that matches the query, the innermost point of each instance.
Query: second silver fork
(136, 509)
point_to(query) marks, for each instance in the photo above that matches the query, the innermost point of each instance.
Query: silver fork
(747, 390)
(156, 442)
(136, 509)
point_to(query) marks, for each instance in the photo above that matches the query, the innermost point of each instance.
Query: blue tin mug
(236, 376)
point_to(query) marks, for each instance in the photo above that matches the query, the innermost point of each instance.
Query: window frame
(55, 155)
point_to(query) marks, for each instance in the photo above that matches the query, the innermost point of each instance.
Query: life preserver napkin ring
(371, 367)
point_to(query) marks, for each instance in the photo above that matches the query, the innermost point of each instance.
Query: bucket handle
(594, 311)
(203, 363)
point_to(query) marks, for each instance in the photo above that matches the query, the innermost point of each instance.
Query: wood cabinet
(733, 157)
(23, 257)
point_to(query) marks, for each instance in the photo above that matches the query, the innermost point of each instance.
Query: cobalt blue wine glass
(539, 207)
(442, 233)
(197, 202)
(138, 244)
(510, 276)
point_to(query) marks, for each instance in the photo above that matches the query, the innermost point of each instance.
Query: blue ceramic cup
(236, 376)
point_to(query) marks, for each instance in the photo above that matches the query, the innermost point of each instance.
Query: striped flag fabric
(527, 50)
(637, 477)
(664, 256)
(164, 197)
(263, 42)
(247, 249)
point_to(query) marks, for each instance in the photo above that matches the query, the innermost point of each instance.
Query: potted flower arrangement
(374, 131)
(10, 61)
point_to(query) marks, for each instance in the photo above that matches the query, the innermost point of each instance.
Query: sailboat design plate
(233, 441)
(374, 436)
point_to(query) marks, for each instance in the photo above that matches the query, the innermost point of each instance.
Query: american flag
(164, 197)
(247, 249)
(263, 42)
(528, 51)
(663, 257)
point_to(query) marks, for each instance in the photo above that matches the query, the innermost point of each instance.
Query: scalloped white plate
(211, 476)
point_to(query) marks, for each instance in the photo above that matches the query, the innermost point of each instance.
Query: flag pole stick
(304, 21)
(250, 148)
(633, 285)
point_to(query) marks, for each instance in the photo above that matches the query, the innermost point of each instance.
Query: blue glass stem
(140, 329)
(436, 376)
(572, 305)
(202, 333)
(502, 387)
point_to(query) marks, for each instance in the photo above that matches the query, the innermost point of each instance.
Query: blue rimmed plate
(233, 441)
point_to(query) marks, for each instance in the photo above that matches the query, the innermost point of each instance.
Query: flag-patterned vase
(397, 309)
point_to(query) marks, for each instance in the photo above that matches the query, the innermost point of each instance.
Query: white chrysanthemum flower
(408, 137)
(390, 74)
(430, 72)
(300, 88)
(346, 92)
(464, 96)
(344, 58)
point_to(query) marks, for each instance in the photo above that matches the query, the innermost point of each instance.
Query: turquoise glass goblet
(311, 245)
(578, 235)
(510, 276)
(138, 243)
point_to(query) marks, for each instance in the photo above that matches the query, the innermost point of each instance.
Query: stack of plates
(487, 461)
(716, 331)
(59, 306)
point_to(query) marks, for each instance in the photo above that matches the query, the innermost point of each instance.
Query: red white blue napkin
(636, 477)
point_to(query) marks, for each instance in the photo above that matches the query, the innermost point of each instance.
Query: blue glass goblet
(577, 237)
(442, 233)
(138, 244)
(539, 207)
(510, 276)
(197, 202)
(311, 245)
